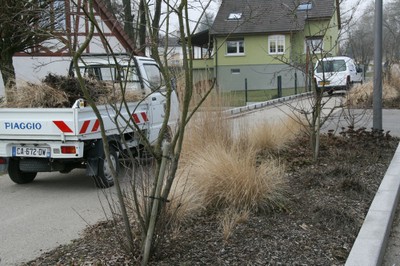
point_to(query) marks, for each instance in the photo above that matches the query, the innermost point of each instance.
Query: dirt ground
(327, 203)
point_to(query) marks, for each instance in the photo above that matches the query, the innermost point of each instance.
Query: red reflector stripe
(144, 116)
(136, 118)
(96, 126)
(84, 127)
(3, 160)
(140, 118)
(62, 126)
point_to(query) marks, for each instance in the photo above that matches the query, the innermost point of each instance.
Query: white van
(337, 73)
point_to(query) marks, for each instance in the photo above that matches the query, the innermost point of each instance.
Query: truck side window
(108, 73)
(154, 76)
(131, 74)
(93, 72)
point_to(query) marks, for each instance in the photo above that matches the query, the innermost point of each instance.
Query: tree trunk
(142, 27)
(8, 75)
(128, 19)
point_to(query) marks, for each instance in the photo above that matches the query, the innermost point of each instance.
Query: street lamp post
(377, 94)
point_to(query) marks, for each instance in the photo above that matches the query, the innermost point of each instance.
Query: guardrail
(255, 106)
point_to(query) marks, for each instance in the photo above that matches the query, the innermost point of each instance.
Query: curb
(371, 242)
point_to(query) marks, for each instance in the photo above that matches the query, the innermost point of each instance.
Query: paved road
(39, 216)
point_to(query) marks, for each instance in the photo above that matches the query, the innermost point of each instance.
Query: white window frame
(276, 44)
(235, 71)
(304, 6)
(238, 43)
(316, 45)
(235, 16)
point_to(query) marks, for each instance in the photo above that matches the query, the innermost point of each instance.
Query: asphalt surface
(48, 212)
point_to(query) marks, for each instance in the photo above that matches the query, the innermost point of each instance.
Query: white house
(54, 56)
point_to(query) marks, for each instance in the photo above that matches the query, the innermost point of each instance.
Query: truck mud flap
(92, 167)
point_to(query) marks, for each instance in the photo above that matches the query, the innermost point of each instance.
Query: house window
(276, 44)
(235, 70)
(304, 6)
(235, 47)
(315, 45)
(235, 16)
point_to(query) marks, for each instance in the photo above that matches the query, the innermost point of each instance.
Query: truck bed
(65, 124)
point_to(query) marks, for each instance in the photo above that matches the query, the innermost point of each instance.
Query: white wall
(30, 69)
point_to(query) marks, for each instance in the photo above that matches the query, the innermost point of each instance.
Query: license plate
(30, 151)
(323, 83)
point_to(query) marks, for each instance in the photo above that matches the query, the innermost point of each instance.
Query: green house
(254, 42)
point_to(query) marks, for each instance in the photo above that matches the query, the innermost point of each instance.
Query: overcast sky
(355, 5)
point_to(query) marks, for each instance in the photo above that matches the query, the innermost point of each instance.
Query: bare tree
(167, 149)
(23, 25)
(131, 14)
(360, 44)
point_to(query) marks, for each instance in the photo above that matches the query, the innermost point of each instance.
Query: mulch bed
(327, 202)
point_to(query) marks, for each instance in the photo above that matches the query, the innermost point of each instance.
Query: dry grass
(360, 96)
(229, 177)
(273, 136)
(230, 219)
(31, 95)
(220, 170)
(61, 91)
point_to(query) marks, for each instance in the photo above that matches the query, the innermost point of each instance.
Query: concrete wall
(258, 77)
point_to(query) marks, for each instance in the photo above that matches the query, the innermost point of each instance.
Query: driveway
(48, 212)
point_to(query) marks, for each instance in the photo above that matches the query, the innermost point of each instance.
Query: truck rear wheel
(18, 176)
(104, 178)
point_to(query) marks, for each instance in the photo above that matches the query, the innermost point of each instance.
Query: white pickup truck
(36, 140)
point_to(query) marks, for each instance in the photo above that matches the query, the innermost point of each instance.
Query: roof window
(235, 16)
(304, 6)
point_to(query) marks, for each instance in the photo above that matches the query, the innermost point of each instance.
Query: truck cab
(133, 73)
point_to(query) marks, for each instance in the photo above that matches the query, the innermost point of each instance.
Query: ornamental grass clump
(360, 96)
(273, 136)
(230, 177)
(220, 169)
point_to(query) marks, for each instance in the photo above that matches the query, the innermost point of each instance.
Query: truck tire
(104, 178)
(18, 176)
